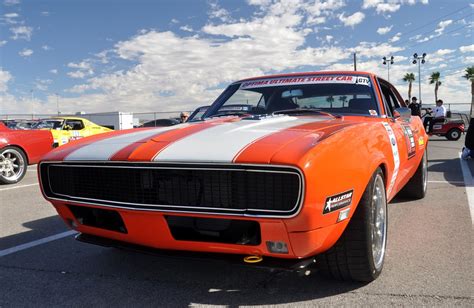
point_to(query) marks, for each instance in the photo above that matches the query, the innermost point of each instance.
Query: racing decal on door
(410, 140)
(338, 201)
(395, 153)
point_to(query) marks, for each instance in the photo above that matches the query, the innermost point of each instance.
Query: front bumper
(152, 230)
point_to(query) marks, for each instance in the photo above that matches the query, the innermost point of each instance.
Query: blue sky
(143, 55)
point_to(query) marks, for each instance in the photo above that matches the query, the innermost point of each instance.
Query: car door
(406, 135)
(76, 129)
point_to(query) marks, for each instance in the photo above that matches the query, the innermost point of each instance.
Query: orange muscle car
(303, 172)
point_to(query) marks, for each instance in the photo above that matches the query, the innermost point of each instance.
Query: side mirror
(403, 113)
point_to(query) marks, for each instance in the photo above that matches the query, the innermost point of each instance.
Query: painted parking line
(19, 186)
(45, 240)
(447, 182)
(469, 183)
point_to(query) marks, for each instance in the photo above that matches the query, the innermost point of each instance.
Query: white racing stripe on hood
(223, 142)
(104, 149)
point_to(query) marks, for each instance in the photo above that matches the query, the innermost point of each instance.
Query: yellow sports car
(65, 129)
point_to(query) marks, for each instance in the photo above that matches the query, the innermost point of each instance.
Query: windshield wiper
(306, 110)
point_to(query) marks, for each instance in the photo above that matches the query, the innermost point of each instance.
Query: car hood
(222, 140)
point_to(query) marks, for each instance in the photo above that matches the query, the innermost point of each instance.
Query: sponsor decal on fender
(396, 155)
(338, 201)
(421, 142)
(410, 141)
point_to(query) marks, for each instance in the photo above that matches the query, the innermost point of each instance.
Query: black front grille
(231, 189)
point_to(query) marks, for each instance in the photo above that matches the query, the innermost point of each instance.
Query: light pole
(388, 61)
(57, 103)
(420, 60)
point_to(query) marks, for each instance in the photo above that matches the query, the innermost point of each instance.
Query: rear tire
(359, 253)
(453, 134)
(416, 188)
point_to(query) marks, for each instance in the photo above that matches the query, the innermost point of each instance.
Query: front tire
(13, 165)
(453, 134)
(417, 186)
(359, 253)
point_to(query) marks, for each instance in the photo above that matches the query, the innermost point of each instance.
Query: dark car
(161, 123)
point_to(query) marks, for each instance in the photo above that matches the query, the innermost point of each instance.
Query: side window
(398, 97)
(75, 124)
(389, 97)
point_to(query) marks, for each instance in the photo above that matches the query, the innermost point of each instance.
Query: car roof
(309, 74)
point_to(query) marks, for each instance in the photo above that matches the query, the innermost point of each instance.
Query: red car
(20, 148)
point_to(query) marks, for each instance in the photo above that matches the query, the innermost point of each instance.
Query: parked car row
(24, 142)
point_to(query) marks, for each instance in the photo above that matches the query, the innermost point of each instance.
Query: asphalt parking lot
(429, 258)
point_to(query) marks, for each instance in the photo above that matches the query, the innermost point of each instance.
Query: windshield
(335, 94)
(51, 124)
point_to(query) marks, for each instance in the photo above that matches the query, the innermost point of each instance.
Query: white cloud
(11, 15)
(388, 6)
(442, 52)
(194, 68)
(5, 77)
(46, 47)
(319, 7)
(84, 65)
(43, 84)
(3, 43)
(438, 31)
(78, 74)
(352, 20)
(21, 32)
(53, 71)
(467, 48)
(217, 12)
(384, 30)
(174, 21)
(187, 28)
(395, 38)
(45, 13)
(373, 50)
(84, 69)
(442, 25)
(26, 52)
(10, 18)
(468, 60)
(329, 38)
(259, 2)
(312, 20)
(11, 2)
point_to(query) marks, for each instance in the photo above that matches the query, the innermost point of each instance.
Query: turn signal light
(344, 214)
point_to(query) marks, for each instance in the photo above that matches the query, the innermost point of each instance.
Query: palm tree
(343, 99)
(330, 100)
(409, 77)
(435, 79)
(470, 76)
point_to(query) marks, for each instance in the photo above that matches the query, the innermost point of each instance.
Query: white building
(116, 120)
